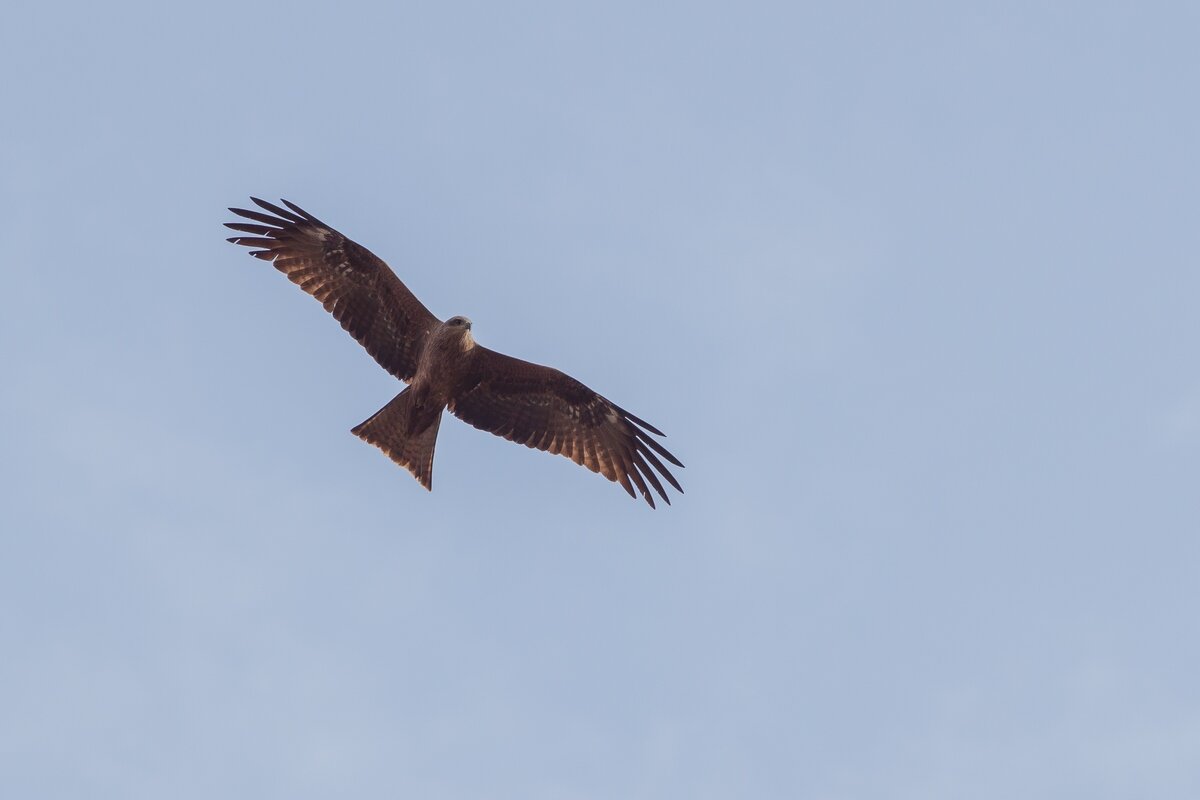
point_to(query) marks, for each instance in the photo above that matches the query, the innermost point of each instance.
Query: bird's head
(460, 328)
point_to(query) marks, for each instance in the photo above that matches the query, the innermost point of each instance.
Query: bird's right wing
(353, 284)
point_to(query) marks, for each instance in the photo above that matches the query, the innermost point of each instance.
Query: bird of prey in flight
(444, 368)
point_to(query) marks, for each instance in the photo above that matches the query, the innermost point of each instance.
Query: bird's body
(526, 403)
(444, 359)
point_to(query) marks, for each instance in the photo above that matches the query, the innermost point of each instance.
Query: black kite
(526, 403)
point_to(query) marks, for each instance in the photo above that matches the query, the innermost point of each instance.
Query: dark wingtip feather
(278, 223)
(240, 240)
(649, 498)
(641, 422)
(623, 479)
(658, 465)
(301, 211)
(628, 470)
(274, 209)
(256, 241)
(257, 230)
(640, 465)
(658, 448)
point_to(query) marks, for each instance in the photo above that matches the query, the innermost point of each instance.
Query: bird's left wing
(353, 284)
(545, 409)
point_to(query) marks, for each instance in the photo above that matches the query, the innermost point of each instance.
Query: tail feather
(401, 431)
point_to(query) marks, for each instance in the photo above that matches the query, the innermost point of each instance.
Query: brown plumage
(525, 403)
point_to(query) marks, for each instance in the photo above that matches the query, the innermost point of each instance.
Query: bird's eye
(456, 321)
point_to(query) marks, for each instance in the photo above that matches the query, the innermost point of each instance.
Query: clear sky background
(912, 288)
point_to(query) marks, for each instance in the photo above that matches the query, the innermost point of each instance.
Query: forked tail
(407, 432)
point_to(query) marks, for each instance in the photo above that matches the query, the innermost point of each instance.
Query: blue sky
(911, 287)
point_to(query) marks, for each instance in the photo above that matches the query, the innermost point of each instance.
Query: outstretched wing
(353, 284)
(542, 408)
